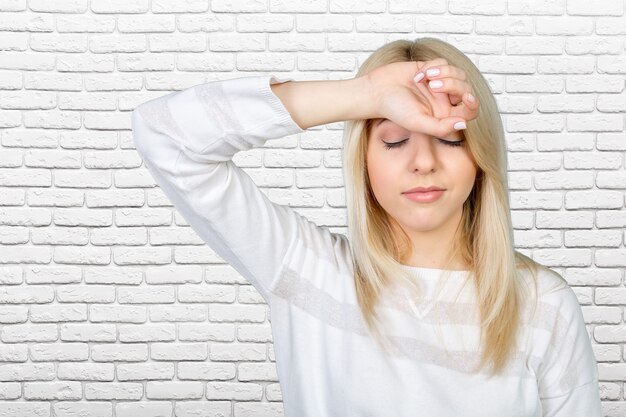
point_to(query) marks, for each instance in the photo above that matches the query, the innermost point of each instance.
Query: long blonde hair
(484, 238)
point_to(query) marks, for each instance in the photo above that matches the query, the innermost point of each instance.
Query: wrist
(362, 98)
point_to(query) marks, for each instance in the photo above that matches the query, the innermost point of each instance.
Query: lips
(424, 189)
(425, 196)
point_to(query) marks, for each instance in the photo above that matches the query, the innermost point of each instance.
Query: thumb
(439, 127)
(456, 123)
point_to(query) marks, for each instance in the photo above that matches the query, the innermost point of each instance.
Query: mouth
(425, 196)
(424, 189)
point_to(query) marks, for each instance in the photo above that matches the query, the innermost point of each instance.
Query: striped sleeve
(568, 373)
(187, 140)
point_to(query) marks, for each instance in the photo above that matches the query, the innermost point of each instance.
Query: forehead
(384, 123)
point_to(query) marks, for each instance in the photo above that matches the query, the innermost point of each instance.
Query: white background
(111, 306)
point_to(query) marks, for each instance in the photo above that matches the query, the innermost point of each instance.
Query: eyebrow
(380, 121)
(386, 120)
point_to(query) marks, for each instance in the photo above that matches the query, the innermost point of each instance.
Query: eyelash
(398, 144)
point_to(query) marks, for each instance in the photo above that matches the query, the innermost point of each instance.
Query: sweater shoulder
(556, 300)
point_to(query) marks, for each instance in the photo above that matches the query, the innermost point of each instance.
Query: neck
(431, 248)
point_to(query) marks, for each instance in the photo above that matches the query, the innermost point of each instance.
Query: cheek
(380, 176)
(375, 173)
(466, 174)
(462, 163)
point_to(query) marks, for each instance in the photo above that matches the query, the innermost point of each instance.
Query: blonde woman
(425, 308)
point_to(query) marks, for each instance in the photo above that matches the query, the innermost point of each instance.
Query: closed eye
(402, 142)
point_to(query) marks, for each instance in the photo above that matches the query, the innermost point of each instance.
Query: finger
(422, 66)
(436, 61)
(466, 110)
(471, 101)
(451, 86)
(446, 71)
(455, 99)
(423, 87)
(437, 127)
(465, 105)
(432, 62)
(419, 74)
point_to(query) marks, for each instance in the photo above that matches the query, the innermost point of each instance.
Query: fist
(432, 104)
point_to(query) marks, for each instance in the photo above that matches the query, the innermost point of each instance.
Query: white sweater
(326, 362)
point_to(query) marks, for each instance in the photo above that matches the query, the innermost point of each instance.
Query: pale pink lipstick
(424, 194)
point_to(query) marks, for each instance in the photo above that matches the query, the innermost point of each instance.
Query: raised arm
(313, 103)
(187, 140)
(390, 91)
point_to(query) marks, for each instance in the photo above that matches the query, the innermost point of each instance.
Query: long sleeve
(187, 140)
(568, 377)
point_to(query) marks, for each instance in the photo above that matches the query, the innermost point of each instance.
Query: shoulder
(343, 252)
(555, 290)
(547, 282)
(561, 343)
(556, 300)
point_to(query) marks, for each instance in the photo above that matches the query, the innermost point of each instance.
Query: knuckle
(439, 61)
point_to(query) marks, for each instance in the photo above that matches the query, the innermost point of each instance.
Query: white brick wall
(111, 306)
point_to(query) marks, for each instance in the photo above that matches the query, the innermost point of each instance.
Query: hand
(408, 103)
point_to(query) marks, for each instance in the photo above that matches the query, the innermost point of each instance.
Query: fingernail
(431, 72)
(418, 77)
(435, 83)
(459, 125)
(471, 98)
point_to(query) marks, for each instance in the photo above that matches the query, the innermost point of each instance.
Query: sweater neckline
(434, 283)
(434, 273)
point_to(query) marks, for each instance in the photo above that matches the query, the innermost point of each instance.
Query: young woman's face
(419, 160)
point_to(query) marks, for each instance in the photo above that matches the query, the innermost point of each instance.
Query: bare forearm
(313, 103)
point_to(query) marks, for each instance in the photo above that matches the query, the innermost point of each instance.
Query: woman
(426, 309)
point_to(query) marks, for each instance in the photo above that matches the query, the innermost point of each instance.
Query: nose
(424, 157)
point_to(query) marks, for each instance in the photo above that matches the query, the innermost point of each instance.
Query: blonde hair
(484, 238)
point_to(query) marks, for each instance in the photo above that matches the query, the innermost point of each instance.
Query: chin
(422, 227)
